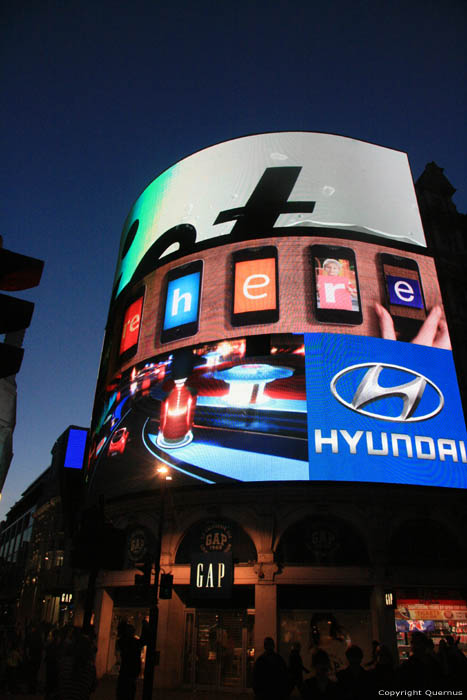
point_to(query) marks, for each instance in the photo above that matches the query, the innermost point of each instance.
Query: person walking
(270, 677)
(129, 647)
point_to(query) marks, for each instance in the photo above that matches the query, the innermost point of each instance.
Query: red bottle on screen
(177, 415)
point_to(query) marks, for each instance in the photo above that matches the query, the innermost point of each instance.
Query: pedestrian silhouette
(354, 682)
(270, 677)
(422, 669)
(320, 686)
(129, 647)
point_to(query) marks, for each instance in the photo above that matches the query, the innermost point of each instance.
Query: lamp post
(148, 680)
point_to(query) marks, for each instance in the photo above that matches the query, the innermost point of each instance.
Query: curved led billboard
(276, 316)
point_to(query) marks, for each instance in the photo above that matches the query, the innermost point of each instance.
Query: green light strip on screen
(146, 209)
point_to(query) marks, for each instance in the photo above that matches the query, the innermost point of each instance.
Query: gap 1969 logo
(216, 537)
(370, 391)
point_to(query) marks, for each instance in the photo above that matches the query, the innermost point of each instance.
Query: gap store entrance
(219, 649)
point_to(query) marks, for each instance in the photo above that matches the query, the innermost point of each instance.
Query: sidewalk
(107, 686)
(106, 691)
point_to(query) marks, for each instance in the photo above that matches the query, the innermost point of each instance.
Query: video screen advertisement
(276, 316)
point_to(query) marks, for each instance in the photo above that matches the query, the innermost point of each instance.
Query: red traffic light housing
(17, 272)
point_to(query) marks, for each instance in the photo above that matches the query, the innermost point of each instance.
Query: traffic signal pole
(148, 681)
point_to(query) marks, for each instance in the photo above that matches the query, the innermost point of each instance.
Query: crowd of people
(59, 662)
(65, 655)
(426, 669)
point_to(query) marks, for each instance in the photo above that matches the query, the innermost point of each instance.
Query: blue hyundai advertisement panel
(383, 411)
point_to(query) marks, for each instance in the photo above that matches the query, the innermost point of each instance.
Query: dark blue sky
(99, 97)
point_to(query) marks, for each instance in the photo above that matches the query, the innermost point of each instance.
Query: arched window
(424, 542)
(322, 541)
(216, 535)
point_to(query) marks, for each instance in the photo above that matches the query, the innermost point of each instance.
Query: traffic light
(17, 272)
(144, 578)
(165, 586)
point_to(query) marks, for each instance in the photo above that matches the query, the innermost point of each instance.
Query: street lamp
(148, 680)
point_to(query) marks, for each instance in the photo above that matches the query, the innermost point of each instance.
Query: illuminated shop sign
(438, 616)
(263, 184)
(211, 575)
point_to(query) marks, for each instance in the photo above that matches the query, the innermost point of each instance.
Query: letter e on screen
(255, 285)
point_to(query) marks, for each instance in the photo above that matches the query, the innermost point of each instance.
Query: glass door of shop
(218, 646)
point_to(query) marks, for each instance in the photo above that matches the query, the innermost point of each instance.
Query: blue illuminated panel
(75, 448)
(383, 411)
(182, 301)
(404, 291)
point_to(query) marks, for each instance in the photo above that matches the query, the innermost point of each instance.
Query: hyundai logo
(370, 390)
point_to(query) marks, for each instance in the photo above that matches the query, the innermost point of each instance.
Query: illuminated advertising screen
(303, 341)
(264, 184)
(75, 448)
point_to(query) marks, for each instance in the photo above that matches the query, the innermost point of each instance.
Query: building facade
(276, 345)
(35, 568)
(361, 557)
(35, 552)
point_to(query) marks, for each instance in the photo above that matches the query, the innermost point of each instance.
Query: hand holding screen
(433, 332)
(404, 294)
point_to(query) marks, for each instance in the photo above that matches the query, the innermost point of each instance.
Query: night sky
(99, 97)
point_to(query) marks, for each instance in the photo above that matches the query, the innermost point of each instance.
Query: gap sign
(211, 575)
